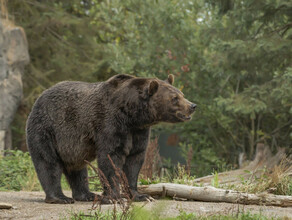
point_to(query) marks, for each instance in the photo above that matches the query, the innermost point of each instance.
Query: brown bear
(76, 121)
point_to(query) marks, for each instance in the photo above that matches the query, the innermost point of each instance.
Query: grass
(18, 173)
(138, 213)
(180, 176)
(273, 181)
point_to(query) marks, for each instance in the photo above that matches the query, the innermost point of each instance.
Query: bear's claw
(59, 200)
(143, 197)
(85, 197)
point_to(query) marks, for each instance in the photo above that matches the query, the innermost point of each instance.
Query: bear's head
(169, 102)
(146, 101)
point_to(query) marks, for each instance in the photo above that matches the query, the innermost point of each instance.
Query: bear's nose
(193, 106)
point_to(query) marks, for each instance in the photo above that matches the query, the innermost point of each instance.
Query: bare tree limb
(212, 194)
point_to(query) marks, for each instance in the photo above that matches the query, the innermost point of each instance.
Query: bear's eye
(174, 99)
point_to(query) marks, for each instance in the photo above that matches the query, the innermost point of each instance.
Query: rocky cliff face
(13, 57)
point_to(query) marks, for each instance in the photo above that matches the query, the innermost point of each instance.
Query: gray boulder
(13, 57)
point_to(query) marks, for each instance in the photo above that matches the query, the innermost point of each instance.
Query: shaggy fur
(76, 121)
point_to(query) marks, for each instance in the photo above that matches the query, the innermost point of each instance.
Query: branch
(212, 194)
(279, 128)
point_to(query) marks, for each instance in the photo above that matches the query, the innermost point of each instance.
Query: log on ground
(212, 194)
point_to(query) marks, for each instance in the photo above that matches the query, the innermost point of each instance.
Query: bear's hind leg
(78, 181)
(50, 178)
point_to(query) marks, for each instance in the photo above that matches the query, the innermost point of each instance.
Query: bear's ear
(170, 79)
(153, 87)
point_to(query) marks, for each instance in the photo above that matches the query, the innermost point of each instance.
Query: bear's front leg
(109, 164)
(131, 169)
(134, 162)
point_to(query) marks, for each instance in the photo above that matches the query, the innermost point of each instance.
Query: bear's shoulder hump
(120, 78)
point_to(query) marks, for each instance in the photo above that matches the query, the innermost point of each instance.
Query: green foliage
(144, 37)
(149, 181)
(232, 58)
(17, 172)
(244, 83)
(284, 186)
(62, 46)
(250, 49)
(182, 177)
(93, 180)
(215, 180)
(178, 174)
(205, 160)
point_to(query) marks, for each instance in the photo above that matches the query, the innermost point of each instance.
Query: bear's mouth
(183, 117)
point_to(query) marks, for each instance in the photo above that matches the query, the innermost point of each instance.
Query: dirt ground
(31, 205)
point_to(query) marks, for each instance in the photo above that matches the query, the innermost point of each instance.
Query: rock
(13, 57)
(5, 206)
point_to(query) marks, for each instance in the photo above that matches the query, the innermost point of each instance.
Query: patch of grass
(284, 186)
(149, 181)
(94, 215)
(273, 181)
(18, 173)
(93, 180)
(139, 213)
(136, 213)
(215, 180)
(182, 176)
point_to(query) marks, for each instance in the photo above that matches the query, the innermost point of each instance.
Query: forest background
(232, 58)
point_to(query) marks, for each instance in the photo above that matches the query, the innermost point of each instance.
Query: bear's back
(64, 100)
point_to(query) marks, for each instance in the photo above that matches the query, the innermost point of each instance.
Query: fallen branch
(212, 194)
(5, 206)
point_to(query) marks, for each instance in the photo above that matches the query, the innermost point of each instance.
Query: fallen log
(5, 206)
(212, 194)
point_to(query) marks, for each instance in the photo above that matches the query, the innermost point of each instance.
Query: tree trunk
(211, 194)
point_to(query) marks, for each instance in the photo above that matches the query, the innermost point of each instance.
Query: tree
(62, 46)
(250, 49)
(232, 58)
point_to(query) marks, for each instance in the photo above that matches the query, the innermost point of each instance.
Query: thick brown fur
(76, 121)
